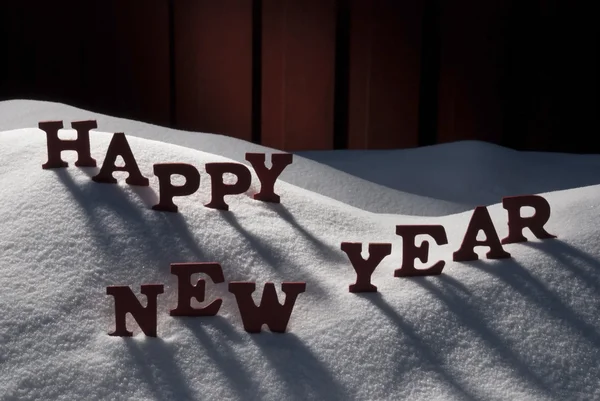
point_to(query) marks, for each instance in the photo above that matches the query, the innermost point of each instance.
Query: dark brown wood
(521, 74)
(385, 51)
(218, 188)
(298, 54)
(186, 291)
(108, 56)
(56, 146)
(270, 311)
(364, 268)
(471, 76)
(126, 302)
(167, 191)
(142, 28)
(535, 223)
(213, 66)
(268, 176)
(119, 147)
(42, 45)
(554, 96)
(411, 252)
(480, 221)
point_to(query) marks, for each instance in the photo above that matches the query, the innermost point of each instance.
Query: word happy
(270, 311)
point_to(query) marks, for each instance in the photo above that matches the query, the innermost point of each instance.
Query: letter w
(270, 311)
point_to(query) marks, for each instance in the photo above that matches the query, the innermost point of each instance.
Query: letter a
(56, 145)
(120, 147)
(480, 220)
(127, 302)
(270, 311)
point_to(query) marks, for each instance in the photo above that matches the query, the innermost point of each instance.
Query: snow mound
(525, 328)
(468, 173)
(310, 175)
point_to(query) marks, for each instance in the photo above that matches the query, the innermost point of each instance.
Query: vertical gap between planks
(430, 72)
(342, 75)
(284, 74)
(172, 74)
(368, 78)
(257, 71)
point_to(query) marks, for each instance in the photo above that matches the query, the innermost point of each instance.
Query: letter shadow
(519, 278)
(154, 362)
(272, 255)
(215, 336)
(423, 350)
(162, 237)
(334, 255)
(304, 376)
(463, 307)
(583, 266)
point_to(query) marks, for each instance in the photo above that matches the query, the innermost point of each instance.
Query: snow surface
(525, 328)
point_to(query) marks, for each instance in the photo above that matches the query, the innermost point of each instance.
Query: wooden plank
(213, 66)
(41, 49)
(361, 39)
(95, 54)
(142, 57)
(385, 51)
(562, 78)
(471, 71)
(298, 54)
(527, 84)
(509, 76)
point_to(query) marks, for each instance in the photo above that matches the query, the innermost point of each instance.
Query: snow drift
(525, 328)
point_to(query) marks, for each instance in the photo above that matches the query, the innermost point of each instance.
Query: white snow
(525, 328)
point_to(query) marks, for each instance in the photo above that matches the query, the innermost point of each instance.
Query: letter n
(126, 302)
(56, 145)
(270, 311)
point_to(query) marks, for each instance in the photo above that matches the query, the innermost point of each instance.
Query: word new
(480, 221)
(164, 171)
(269, 312)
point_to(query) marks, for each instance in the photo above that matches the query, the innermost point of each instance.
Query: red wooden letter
(167, 190)
(364, 268)
(410, 251)
(270, 311)
(81, 145)
(219, 189)
(127, 302)
(120, 147)
(267, 176)
(187, 291)
(480, 220)
(535, 223)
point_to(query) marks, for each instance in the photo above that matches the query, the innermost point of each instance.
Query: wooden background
(318, 74)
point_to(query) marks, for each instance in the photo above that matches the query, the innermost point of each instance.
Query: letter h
(56, 145)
